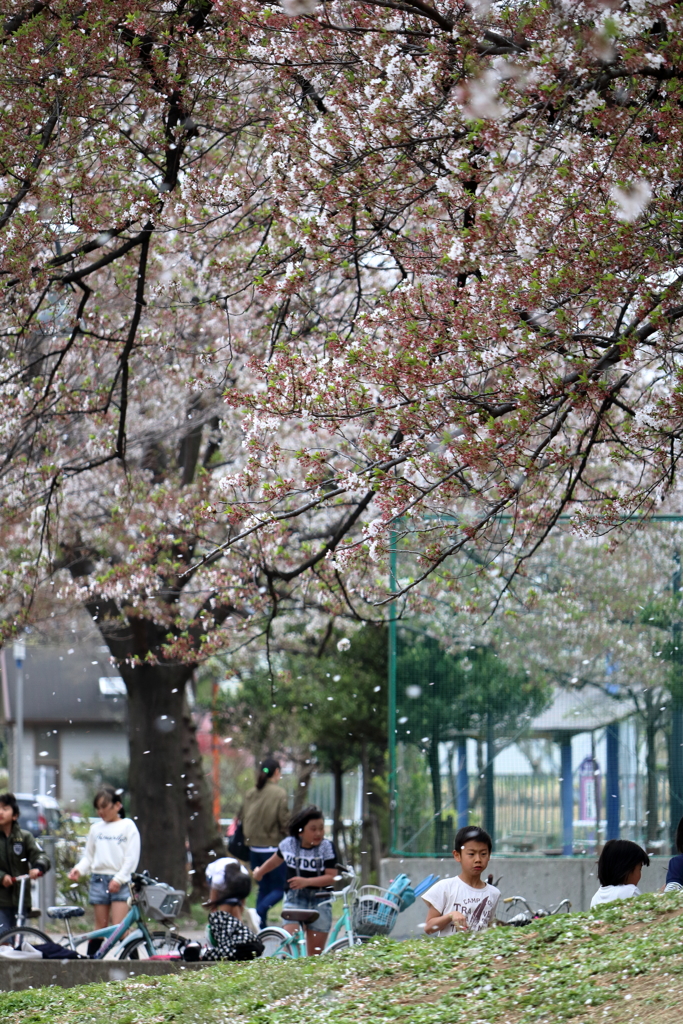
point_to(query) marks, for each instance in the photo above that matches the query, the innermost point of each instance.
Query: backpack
(402, 890)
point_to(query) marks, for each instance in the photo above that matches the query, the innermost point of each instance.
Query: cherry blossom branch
(46, 134)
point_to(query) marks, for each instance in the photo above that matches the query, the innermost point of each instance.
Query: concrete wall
(87, 745)
(541, 880)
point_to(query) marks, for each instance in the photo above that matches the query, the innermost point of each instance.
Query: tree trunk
(435, 772)
(157, 786)
(204, 835)
(652, 811)
(301, 795)
(452, 775)
(338, 834)
(376, 845)
(164, 757)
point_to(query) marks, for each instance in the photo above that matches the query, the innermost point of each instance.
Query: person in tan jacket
(265, 816)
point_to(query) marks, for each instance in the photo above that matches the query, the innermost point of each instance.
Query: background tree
(326, 711)
(409, 259)
(443, 698)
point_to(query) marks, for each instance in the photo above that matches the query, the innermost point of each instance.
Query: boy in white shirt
(464, 903)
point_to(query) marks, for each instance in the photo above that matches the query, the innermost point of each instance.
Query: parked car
(39, 814)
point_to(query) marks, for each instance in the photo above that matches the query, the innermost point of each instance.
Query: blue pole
(567, 796)
(463, 786)
(612, 796)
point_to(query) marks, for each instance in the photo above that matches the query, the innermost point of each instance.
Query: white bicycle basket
(375, 911)
(161, 901)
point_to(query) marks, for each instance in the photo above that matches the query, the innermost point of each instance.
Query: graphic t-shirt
(307, 863)
(478, 905)
(610, 893)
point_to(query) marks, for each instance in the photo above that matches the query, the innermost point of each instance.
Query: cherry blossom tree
(279, 280)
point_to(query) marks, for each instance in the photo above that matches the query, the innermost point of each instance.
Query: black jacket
(19, 852)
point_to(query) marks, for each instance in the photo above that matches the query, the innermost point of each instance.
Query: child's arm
(436, 922)
(274, 861)
(313, 883)
(85, 863)
(37, 858)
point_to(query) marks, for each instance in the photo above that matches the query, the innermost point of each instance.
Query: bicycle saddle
(300, 916)
(62, 913)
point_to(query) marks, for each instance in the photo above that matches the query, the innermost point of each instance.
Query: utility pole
(676, 735)
(19, 657)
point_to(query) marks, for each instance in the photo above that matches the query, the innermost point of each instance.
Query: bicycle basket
(375, 910)
(161, 901)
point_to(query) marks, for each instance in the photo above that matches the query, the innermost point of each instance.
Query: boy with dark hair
(619, 869)
(464, 903)
(20, 854)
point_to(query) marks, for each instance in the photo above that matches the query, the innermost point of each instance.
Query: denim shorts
(303, 899)
(99, 894)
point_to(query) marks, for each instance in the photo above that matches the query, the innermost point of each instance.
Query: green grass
(623, 963)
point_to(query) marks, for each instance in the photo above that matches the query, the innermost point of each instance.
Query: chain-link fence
(554, 716)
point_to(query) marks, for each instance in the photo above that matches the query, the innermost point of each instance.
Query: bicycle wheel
(344, 943)
(273, 940)
(164, 944)
(16, 937)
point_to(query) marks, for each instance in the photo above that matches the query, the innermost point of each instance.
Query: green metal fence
(477, 737)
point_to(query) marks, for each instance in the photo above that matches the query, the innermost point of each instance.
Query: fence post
(463, 786)
(612, 811)
(490, 819)
(567, 794)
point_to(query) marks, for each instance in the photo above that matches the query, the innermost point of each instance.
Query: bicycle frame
(295, 945)
(23, 881)
(344, 922)
(114, 933)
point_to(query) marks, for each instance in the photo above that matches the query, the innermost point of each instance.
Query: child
(231, 938)
(20, 854)
(464, 903)
(674, 875)
(619, 869)
(112, 852)
(311, 867)
(215, 875)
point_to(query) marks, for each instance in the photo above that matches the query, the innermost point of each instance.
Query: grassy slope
(623, 963)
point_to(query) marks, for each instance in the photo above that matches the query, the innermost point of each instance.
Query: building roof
(581, 710)
(64, 684)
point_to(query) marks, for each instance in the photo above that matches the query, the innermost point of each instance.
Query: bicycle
(22, 932)
(526, 917)
(284, 945)
(155, 899)
(160, 901)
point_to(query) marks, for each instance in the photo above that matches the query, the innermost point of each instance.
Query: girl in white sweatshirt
(111, 856)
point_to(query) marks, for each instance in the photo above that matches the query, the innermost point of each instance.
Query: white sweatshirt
(113, 848)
